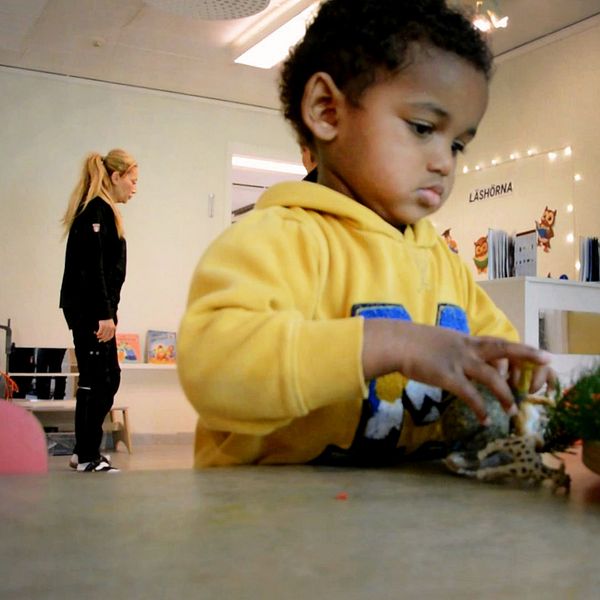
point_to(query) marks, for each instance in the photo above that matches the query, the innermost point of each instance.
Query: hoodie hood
(313, 196)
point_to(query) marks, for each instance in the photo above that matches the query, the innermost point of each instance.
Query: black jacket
(95, 262)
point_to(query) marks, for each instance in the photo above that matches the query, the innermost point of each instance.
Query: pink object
(23, 447)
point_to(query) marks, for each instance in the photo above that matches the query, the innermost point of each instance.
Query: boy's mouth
(430, 197)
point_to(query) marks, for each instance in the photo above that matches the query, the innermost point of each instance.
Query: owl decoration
(481, 255)
(450, 241)
(545, 228)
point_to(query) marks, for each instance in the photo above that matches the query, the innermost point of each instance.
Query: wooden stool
(120, 428)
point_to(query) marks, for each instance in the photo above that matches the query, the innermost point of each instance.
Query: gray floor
(281, 532)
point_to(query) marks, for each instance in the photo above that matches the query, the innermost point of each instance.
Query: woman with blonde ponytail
(95, 262)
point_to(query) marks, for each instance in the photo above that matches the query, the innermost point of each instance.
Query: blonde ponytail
(95, 182)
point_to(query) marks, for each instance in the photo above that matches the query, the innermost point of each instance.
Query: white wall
(546, 98)
(183, 146)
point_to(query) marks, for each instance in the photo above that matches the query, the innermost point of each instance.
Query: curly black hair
(355, 41)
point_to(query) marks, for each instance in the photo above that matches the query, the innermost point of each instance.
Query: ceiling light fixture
(272, 49)
(211, 10)
(486, 16)
(260, 164)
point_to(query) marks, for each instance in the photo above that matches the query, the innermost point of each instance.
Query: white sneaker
(96, 466)
(74, 460)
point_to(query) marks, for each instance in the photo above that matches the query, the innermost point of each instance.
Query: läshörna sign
(491, 191)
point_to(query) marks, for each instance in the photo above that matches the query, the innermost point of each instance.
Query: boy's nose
(441, 161)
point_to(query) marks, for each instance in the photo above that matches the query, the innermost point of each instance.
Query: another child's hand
(451, 360)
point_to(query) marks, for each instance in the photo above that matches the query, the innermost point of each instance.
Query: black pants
(99, 379)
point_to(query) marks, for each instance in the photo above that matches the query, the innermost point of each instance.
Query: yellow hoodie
(269, 348)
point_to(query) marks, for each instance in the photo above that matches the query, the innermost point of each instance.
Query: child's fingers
(526, 378)
(466, 391)
(525, 381)
(496, 383)
(502, 366)
(541, 377)
(491, 349)
(538, 381)
(490, 377)
(514, 376)
(552, 379)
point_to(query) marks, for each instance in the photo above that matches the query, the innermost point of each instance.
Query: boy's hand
(452, 361)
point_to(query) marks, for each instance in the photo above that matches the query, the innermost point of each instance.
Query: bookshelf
(158, 408)
(147, 367)
(525, 301)
(124, 367)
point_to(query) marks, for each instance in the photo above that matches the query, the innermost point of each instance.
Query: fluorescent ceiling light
(210, 9)
(261, 164)
(274, 48)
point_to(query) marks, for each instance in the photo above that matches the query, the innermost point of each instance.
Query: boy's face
(396, 152)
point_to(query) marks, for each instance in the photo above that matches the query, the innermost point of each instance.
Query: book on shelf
(512, 255)
(589, 259)
(128, 348)
(501, 254)
(160, 347)
(526, 253)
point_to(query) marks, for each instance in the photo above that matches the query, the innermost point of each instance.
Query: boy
(325, 325)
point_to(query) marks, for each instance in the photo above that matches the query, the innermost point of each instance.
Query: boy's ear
(321, 104)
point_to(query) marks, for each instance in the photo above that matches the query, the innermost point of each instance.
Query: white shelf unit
(522, 299)
(148, 366)
(158, 408)
(124, 367)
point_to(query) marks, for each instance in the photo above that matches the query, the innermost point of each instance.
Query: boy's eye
(458, 147)
(421, 129)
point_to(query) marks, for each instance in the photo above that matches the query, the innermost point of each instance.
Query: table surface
(414, 531)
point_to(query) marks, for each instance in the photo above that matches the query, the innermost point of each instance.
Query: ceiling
(133, 42)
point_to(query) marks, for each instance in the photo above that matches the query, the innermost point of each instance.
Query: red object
(342, 496)
(10, 387)
(23, 447)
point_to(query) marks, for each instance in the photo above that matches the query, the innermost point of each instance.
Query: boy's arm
(251, 354)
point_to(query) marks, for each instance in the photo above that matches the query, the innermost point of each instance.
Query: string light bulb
(553, 156)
